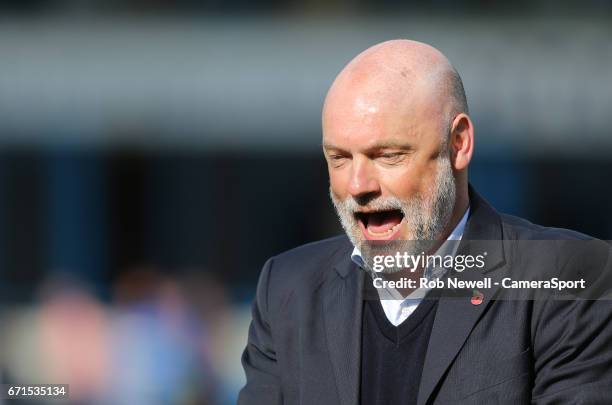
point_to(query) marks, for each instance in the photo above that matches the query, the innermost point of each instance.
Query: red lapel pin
(477, 298)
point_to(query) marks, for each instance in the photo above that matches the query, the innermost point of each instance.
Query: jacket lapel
(456, 314)
(342, 307)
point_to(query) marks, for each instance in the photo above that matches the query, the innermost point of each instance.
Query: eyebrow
(327, 146)
(392, 145)
(381, 145)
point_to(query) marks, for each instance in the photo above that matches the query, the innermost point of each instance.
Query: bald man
(334, 324)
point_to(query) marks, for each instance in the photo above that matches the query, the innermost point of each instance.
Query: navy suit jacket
(304, 343)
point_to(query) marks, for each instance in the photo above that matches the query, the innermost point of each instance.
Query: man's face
(389, 166)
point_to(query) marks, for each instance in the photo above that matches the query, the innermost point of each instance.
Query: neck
(461, 205)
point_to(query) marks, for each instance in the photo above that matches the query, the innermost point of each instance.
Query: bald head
(397, 139)
(401, 75)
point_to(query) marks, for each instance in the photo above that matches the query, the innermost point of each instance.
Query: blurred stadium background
(153, 154)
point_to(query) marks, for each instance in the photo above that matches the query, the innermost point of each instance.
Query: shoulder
(542, 252)
(307, 265)
(321, 250)
(531, 249)
(557, 244)
(516, 228)
(487, 220)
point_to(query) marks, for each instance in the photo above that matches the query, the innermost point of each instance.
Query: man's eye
(337, 160)
(391, 157)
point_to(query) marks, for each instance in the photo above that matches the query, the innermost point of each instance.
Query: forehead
(369, 118)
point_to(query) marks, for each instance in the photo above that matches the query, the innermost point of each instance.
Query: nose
(363, 182)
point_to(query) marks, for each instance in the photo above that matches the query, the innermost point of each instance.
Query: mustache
(353, 206)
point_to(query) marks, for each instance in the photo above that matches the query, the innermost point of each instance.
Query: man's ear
(461, 141)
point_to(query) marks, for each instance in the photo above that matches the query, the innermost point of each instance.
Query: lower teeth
(387, 232)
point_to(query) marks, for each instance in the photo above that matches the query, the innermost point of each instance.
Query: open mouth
(380, 224)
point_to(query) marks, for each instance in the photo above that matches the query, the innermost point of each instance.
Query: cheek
(338, 183)
(408, 183)
(403, 185)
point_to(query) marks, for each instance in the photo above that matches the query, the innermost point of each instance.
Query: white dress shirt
(398, 308)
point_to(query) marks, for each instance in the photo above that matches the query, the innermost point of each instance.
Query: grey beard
(426, 217)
